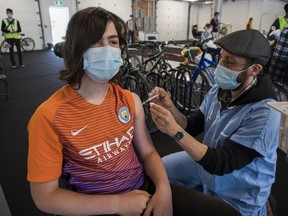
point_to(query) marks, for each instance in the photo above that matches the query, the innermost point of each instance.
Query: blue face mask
(226, 78)
(9, 15)
(102, 63)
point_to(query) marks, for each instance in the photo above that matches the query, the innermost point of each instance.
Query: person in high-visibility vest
(10, 30)
(278, 25)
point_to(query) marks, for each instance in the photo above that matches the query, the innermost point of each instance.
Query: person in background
(249, 25)
(132, 29)
(277, 26)
(206, 34)
(215, 24)
(278, 68)
(196, 34)
(236, 160)
(11, 28)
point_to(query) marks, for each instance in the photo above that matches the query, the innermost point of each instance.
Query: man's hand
(164, 98)
(164, 120)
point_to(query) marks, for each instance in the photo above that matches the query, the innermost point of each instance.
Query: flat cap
(248, 44)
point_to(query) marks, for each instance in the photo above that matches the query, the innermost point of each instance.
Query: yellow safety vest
(12, 26)
(282, 23)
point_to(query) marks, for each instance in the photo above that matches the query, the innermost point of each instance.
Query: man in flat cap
(236, 160)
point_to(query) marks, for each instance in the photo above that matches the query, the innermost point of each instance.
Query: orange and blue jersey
(90, 146)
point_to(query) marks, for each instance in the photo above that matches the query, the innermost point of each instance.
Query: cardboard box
(282, 107)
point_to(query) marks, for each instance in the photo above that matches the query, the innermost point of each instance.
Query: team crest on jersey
(124, 115)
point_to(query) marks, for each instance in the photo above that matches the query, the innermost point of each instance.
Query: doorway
(59, 17)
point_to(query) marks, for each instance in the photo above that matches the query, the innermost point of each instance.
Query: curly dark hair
(85, 28)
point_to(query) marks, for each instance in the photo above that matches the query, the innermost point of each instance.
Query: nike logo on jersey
(75, 133)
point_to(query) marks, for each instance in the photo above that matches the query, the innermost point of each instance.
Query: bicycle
(156, 68)
(156, 62)
(135, 81)
(195, 79)
(27, 44)
(141, 80)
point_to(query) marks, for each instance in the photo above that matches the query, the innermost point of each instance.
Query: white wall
(46, 22)
(122, 8)
(172, 20)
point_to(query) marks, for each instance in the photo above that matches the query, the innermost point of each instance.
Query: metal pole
(41, 25)
(188, 23)
(148, 8)
(217, 7)
(76, 2)
(154, 8)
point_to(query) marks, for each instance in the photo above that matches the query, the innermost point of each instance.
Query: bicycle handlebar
(151, 44)
(196, 43)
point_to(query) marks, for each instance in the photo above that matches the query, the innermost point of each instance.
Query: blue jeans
(131, 37)
(183, 170)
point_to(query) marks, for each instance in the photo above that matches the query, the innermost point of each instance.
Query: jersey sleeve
(45, 151)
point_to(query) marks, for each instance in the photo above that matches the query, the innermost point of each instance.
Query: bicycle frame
(157, 57)
(202, 65)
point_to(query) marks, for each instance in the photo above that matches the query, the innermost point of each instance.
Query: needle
(149, 99)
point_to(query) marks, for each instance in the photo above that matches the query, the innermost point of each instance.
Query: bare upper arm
(142, 139)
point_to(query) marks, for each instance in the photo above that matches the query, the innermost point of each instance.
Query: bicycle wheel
(181, 89)
(145, 87)
(134, 61)
(130, 83)
(157, 66)
(170, 82)
(280, 91)
(165, 66)
(27, 44)
(150, 66)
(155, 79)
(190, 94)
(4, 47)
(137, 83)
